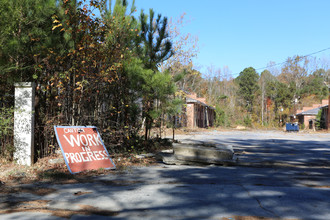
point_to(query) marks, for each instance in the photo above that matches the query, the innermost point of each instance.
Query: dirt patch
(8, 206)
(43, 207)
(79, 193)
(237, 152)
(36, 191)
(253, 218)
(317, 186)
(33, 204)
(120, 182)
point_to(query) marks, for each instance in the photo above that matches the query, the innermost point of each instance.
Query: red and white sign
(83, 148)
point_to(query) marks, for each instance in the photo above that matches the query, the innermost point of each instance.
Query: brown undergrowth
(12, 174)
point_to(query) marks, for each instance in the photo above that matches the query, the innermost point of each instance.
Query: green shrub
(247, 121)
(320, 121)
(222, 118)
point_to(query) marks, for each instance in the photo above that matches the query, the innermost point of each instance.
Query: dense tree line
(262, 99)
(88, 69)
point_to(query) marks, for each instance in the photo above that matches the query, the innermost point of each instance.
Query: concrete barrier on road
(199, 153)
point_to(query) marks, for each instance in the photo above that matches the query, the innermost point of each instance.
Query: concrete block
(206, 153)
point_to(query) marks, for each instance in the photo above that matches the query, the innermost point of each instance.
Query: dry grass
(12, 174)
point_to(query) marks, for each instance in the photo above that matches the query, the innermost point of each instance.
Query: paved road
(279, 175)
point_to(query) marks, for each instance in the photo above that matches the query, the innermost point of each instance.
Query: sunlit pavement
(277, 175)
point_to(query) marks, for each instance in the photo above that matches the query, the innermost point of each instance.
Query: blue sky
(243, 33)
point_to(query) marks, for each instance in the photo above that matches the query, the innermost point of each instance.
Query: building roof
(313, 111)
(191, 100)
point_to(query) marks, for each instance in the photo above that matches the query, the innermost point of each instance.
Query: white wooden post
(24, 123)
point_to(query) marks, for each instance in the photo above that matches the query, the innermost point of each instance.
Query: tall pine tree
(248, 85)
(153, 46)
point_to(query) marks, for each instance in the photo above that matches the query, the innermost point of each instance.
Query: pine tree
(153, 47)
(25, 34)
(248, 85)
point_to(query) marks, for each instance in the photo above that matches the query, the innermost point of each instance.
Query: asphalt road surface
(277, 175)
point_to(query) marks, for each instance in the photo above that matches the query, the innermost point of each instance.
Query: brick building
(307, 115)
(197, 113)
